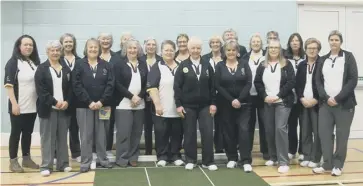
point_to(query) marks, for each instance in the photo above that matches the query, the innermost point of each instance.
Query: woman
(151, 58)
(232, 34)
(214, 57)
(53, 86)
(255, 57)
(274, 82)
(20, 85)
(168, 124)
(130, 87)
(194, 95)
(233, 82)
(68, 58)
(182, 53)
(308, 97)
(336, 79)
(124, 37)
(295, 55)
(93, 84)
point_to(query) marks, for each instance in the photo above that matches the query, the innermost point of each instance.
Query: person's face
(295, 43)
(68, 44)
(92, 49)
(125, 38)
(231, 52)
(26, 47)
(229, 36)
(312, 50)
(105, 42)
(195, 50)
(151, 46)
(168, 52)
(271, 37)
(256, 44)
(215, 45)
(132, 50)
(182, 43)
(335, 42)
(54, 53)
(274, 49)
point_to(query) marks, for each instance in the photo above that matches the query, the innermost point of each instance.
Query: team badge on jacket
(104, 72)
(185, 70)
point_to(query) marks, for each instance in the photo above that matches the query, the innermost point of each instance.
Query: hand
(99, 105)
(212, 110)
(59, 105)
(332, 102)
(135, 100)
(15, 109)
(305, 102)
(236, 104)
(269, 99)
(92, 106)
(313, 102)
(159, 109)
(64, 105)
(181, 111)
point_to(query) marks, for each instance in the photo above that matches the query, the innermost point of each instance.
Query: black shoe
(83, 169)
(108, 166)
(148, 153)
(265, 156)
(219, 151)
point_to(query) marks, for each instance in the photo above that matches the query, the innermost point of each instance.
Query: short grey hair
(130, 42)
(95, 41)
(336, 33)
(215, 37)
(151, 39)
(256, 35)
(273, 33)
(53, 44)
(105, 34)
(194, 41)
(228, 31)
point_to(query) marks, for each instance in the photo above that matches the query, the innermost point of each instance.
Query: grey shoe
(29, 163)
(15, 166)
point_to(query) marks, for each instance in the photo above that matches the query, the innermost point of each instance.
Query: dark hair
(301, 47)
(168, 42)
(74, 50)
(34, 56)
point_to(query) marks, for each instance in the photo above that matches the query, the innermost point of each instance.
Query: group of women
(224, 91)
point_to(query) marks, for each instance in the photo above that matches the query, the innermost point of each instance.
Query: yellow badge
(185, 70)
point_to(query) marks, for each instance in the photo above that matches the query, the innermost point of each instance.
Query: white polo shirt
(57, 84)
(254, 61)
(333, 71)
(271, 78)
(27, 94)
(308, 91)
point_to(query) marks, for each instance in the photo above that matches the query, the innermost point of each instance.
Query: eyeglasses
(312, 49)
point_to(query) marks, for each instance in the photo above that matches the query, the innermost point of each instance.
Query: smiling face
(274, 49)
(54, 53)
(231, 51)
(150, 46)
(215, 45)
(182, 43)
(132, 50)
(105, 42)
(335, 42)
(312, 50)
(256, 44)
(195, 50)
(168, 52)
(93, 49)
(26, 47)
(68, 44)
(229, 35)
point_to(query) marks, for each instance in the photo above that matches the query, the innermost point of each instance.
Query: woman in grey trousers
(274, 81)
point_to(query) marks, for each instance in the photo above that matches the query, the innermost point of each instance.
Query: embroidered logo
(185, 70)
(68, 76)
(243, 71)
(207, 72)
(104, 72)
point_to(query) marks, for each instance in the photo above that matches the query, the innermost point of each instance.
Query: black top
(233, 83)
(247, 56)
(191, 92)
(346, 96)
(301, 75)
(144, 57)
(44, 87)
(88, 88)
(287, 83)
(65, 63)
(123, 79)
(207, 57)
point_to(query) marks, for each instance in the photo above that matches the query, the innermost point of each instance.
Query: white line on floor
(147, 176)
(206, 175)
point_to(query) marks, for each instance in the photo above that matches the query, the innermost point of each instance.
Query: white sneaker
(301, 157)
(110, 156)
(93, 165)
(94, 156)
(178, 162)
(161, 163)
(247, 168)
(336, 172)
(68, 169)
(55, 161)
(291, 156)
(312, 165)
(270, 163)
(45, 173)
(318, 170)
(210, 167)
(231, 164)
(304, 163)
(283, 169)
(189, 166)
(78, 159)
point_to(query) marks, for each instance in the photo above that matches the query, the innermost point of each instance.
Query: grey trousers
(92, 128)
(276, 117)
(53, 137)
(129, 125)
(342, 119)
(311, 146)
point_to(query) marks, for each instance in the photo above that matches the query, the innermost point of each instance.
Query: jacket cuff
(54, 102)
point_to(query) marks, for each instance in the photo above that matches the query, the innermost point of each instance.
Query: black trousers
(23, 125)
(110, 133)
(293, 123)
(74, 143)
(218, 130)
(205, 121)
(168, 135)
(148, 127)
(236, 132)
(258, 105)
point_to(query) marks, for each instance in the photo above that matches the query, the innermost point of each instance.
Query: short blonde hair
(231, 43)
(130, 42)
(215, 37)
(311, 41)
(194, 41)
(256, 35)
(95, 41)
(151, 39)
(53, 44)
(105, 34)
(230, 30)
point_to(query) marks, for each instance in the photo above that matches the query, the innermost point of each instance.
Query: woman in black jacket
(274, 82)
(233, 81)
(336, 79)
(93, 84)
(130, 89)
(307, 95)
(53, 86)
(20, 85)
